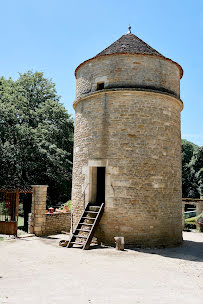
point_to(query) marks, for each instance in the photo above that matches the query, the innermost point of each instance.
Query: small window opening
(100, 86)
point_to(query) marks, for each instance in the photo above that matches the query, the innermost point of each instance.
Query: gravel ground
(38, 271)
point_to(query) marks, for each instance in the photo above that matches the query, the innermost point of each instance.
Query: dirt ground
(35, 270)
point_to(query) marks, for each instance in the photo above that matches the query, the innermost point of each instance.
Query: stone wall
(136, 136)
(126, 71)
(53, 223)
(57, 222)
(41, 223)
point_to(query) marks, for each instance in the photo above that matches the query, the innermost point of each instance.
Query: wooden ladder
(89, 219)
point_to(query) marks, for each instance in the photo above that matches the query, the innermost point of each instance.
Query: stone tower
(127, 143)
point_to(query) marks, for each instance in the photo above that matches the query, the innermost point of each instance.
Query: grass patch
(20, 221)
(21, 228)
(21, 232)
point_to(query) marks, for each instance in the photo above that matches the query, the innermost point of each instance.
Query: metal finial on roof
(129, 29)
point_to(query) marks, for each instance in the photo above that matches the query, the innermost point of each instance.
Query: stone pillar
(38, 218)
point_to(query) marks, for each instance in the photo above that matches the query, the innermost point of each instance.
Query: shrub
(69, 204)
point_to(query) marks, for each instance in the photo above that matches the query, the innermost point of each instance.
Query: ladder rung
(86, 224)
(91, 211)
(77, 243)
(84, 230)
(89, 218)
(80, 236)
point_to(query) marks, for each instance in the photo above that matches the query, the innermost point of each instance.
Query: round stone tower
(127, 143)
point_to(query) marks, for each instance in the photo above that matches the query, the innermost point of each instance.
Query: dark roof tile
(131, 44)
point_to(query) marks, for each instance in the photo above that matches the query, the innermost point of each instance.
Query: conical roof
(129, 44)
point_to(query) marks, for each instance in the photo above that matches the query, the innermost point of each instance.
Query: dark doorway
(100, 185)
(27, 204)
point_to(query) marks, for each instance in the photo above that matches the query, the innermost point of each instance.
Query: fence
(9, 204)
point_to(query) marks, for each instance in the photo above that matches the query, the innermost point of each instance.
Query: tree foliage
(36, 136)
(36, 140)
(192, 170)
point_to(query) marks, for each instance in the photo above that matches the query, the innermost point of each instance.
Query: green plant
(21, 210)
(199, 221)
(191, 223)
(68, 203)
(20, 221)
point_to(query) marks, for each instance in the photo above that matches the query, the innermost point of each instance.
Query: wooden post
(17, 209)
(119, 242)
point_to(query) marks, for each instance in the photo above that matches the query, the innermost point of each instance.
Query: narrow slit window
(100, 86)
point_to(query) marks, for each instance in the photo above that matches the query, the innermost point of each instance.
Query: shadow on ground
(189, 251)
(53, 239)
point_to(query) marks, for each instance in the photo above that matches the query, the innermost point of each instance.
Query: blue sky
(55, 36)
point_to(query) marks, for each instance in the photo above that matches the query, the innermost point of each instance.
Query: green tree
(192, 170)
(36, 136)
(189, 179)
(197, 164)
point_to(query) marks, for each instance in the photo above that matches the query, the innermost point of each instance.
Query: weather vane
(129, 29)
